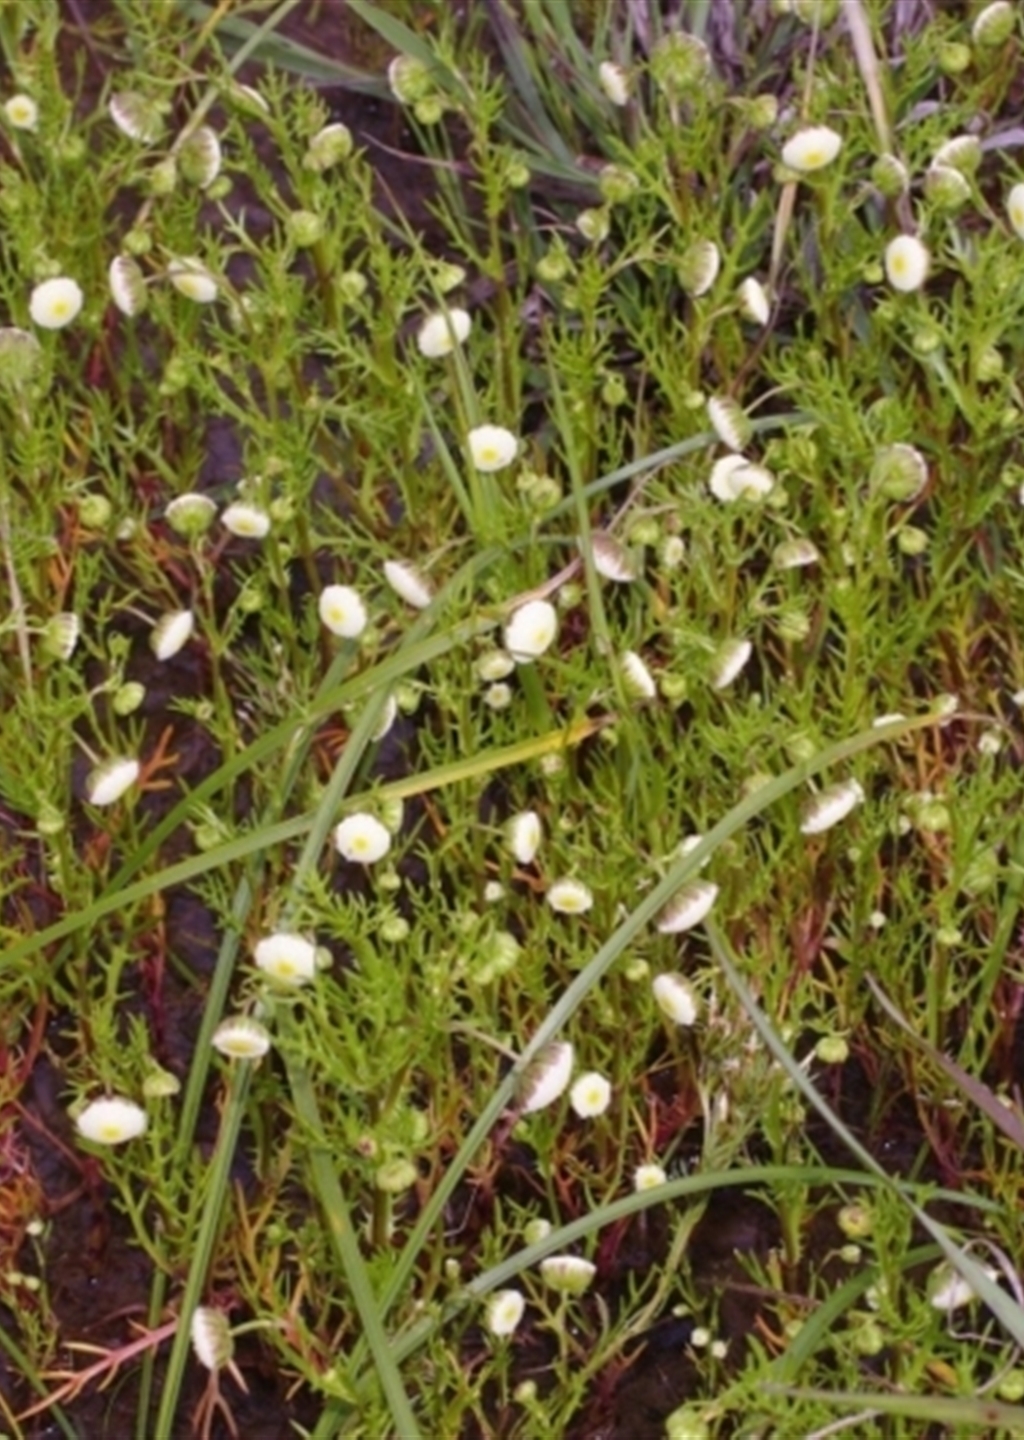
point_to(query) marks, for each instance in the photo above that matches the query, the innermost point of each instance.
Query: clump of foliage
(511, 723)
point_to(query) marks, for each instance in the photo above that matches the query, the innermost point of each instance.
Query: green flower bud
(899, 472)
(593, 225)
(410, 79)
(945, 188)
(430, 110)
(163, 177)
(994, 26)
(352, 286)
(890, 176)
(95, 511)
(680, 63)
(304, 228)
(912, 540)
(328, 147)
(20, 357)
(989, 365)
(613, 391)
(395, 1175)
(128, 697)
(555, 265)
(617, 184)
(954, 57)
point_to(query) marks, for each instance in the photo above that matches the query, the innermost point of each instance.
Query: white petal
(362, 839)
(531, 630)
(171, 633)
(439, 334)
(546, 1077)
(289, 958)
(342, 610)
(811, 149)
(111, 1121)
(55, 303)
(492, 447)
(408, 584)
(688, 907)
(108, 782)
(830, 806)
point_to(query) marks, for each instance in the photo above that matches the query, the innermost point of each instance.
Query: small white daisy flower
(287, 958)
(109, 781)
(211, 1338)
(524, 836)
(111, 1121)
(735, 478)
(688, 907)
(754, 302)
(171, 633)
(729, 661)
(241, 1038)
(675, 999)
(22, 112)
(498, 696)
(648, 1177)
(1015, 208)
(948, 1290)
(546, 1077)
(811, 149)
(492, 447)
(570, 897)
(569, 1274)
(440, 334)
(341, 609)
(191, 278)
(614, 81)
(247, 521)
(55, 303)
(590, 1095)
(830, 806)
(906, 263)
(531, 630)
(408, 584)
(504, 1312)
(362, 839)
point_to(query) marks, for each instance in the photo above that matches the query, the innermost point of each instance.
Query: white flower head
(240, 1037)
(590, 1095)
(729, 422)
(211, 1339)
(795, 554)
(648, 1177)
(22, 112)
(171, 633)
(569, 1274)
(287, 958)
(136, 116)
(494, 665)
(611, 559)
(127, 285)
(109, 781)
(440, 334)
(524, 836)
(735, 478)
(688, 907)
(675, 999)
(342, 610)
(570, 897)
(948, 1290)
(190, 278)
(830, 806)
(811, 149)
(614, 81)
(504, 1312)
(55, 303)
(247, 521)
(1015, 208)
(531, 630)
(362, 839)
(906, 263)
(492, 447)
(754, 301)
(111, 1121)
(408, 584)
(545, 1078)
(729, 661)
(636, 678)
